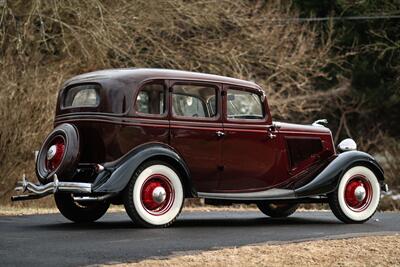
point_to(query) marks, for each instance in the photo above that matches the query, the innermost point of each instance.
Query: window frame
(137, 113)
(97, 88)
(246, 89)
(216, 86)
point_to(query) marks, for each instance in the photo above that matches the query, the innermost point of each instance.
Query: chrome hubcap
(360, 193)
(159, 194)
(51, 152)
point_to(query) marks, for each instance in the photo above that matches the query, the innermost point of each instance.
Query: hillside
(306, 68)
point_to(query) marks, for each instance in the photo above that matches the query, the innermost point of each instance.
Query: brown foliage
(45, 42)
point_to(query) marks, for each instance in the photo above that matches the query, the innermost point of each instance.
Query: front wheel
(277, 210)
(80, 213)
(357, 196)
(154, 196)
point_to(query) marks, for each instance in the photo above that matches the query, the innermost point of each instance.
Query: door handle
(220, 133)
(271, 135)
(271, 132)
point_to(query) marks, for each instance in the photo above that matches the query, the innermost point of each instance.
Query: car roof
(139, 75)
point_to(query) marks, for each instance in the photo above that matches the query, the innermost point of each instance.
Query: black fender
(328, 179)
(116, 175)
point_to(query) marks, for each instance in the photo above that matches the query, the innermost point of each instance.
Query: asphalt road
(51, 240)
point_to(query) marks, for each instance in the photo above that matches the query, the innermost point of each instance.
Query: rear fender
(328, 179)
(117, 175)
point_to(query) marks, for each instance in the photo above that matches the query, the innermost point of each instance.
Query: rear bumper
(34, 191)
(384, 187)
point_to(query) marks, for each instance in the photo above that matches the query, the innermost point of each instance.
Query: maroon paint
(248, 155)
(197, 141)
(245, 159)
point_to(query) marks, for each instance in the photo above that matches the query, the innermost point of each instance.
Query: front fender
(327, 180)
(120, 173)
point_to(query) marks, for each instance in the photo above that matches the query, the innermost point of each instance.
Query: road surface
(51, 240)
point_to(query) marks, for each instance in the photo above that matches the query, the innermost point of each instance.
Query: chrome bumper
(384, 187)
(38, 191)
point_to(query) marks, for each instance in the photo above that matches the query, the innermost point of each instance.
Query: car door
(194, 126)
(250, 150)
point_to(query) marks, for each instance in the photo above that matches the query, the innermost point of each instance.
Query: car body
(193, 135)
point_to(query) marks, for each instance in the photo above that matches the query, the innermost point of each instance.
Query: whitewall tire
(357, 196)
(154, 196)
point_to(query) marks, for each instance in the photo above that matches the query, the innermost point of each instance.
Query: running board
(271, 194)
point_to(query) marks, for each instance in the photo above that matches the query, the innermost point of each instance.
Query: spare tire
(59, 154)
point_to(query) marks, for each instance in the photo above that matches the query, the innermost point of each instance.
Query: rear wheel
(277, 210)
(80, 213)
(154, 196)
(357, 196)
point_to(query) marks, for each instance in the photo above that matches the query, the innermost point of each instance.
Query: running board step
(260, 195)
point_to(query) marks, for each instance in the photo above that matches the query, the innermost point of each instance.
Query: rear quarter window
(82, 96)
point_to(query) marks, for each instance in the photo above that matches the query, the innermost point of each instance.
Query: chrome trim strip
(274, 193)
(93, 199)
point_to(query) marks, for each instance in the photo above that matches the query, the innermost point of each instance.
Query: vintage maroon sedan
(149, 138)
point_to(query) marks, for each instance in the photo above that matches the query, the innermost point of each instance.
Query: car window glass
(243, 105)
(194, 101)
(151, 99)
(82, 96)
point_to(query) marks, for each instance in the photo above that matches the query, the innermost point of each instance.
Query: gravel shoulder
(361, 251)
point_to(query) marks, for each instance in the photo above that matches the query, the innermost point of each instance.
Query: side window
(82, 96)
(194, 101)
(151, 99)
(244, 105)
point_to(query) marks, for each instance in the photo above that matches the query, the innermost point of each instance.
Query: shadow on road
(252, 222)
(204, 222)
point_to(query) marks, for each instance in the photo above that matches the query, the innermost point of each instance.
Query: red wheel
(59, 154)
(357, 196)
(358, 193)
(55, 153)
(157, 194)
(154, 196)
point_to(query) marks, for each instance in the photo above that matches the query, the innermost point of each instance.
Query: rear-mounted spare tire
(59, 154)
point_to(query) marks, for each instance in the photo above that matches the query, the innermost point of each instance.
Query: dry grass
(47, 206)
(45, 42)
(42, 43)
(362, 251)
(18, 210)
(35, 210)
